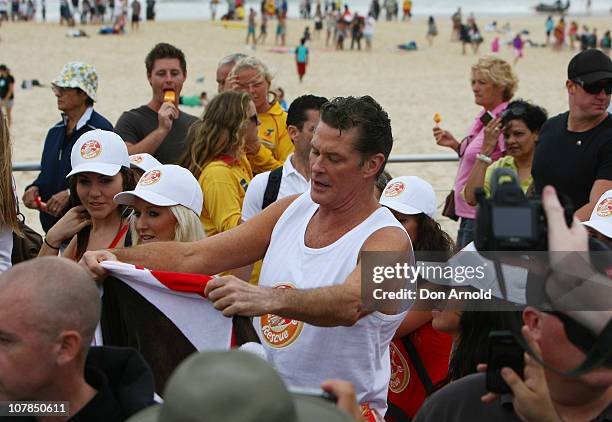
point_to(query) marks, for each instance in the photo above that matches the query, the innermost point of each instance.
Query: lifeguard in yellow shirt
(218, 144)
(252, 76)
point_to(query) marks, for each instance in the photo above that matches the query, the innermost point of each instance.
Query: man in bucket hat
(241, 387)
(574, 152)
(75, 89)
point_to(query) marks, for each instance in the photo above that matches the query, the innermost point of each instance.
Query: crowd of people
(570, 36)
(283, 207)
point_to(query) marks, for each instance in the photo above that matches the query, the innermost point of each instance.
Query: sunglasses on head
(595, 88)
(514, 111)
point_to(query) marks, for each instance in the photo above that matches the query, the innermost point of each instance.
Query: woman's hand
(70, 224)
(445, 138)
(491, 136)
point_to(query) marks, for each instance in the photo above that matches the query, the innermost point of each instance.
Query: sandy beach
(411, 86)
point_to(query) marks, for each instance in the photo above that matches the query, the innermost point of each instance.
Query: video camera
(509, 221)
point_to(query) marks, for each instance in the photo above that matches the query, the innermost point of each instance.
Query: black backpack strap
(418, 364)
(273, 186)
(397, 413)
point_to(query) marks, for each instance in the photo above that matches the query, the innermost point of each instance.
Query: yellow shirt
(504, 162)
(224, 183)
(273, 133)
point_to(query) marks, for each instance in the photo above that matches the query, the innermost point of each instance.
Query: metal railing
(399, 158)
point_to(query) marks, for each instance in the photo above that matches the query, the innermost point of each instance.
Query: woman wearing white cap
(217, 158)
(413, 202)
(167, 203)
(100, 170)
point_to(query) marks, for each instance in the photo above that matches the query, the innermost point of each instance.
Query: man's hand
(58, 203)
(29, 197)
(91, 262)
(347, 399)
(233, 296)
(560, 237)
(532, 402)
(231, 82)
(165, 116)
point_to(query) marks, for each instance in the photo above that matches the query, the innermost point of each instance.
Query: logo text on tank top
(279, 332)
(400, 371)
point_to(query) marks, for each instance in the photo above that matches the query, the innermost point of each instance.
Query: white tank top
(306, 355)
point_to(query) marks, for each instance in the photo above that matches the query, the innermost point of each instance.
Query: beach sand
(411, 86)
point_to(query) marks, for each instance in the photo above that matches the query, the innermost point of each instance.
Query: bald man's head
(55, 294)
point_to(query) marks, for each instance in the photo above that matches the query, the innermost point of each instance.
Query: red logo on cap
(150, 178)
(136, 159)
(91, 149)
(394, 189)
(604, 209)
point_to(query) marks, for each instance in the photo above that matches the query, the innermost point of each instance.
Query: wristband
(50, 245)
(484, 158)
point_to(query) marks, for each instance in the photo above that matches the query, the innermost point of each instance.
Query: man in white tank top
(308, 306)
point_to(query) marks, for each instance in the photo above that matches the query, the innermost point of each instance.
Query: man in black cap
(574, 152)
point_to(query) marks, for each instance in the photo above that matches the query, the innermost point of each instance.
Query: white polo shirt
(292, 183)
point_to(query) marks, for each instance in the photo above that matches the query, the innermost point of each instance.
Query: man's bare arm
(326, 306)
(235, 248)
(600, 187)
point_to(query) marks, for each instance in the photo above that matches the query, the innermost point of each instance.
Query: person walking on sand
(251, 28)
(136, 8)
(432, 30)
(7, 96)
(263, 29)
(301, 58)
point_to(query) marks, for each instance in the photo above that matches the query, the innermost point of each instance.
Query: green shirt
(504, 162)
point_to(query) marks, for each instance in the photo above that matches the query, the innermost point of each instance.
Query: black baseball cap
(590, 66)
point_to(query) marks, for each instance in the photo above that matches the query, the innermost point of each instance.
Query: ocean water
(168, 10)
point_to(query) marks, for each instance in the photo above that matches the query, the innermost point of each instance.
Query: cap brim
(595, 76)
(601, 226)
(150, 414)
(128, 198)
(399, 206)
(100, 168)
(317, 409)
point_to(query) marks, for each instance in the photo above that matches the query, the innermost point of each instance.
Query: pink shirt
(475, 139)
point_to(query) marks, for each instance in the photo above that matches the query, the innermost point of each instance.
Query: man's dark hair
(364, 113)
(297, 116)
(165, 51)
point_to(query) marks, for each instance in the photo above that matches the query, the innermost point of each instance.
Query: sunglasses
(515, 111)
(595, 88)
(254, 119)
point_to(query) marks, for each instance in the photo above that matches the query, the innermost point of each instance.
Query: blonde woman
(100, 170)
(217, 158)
(493, 84)
(252, 76)
(167, 204)
(8, 205)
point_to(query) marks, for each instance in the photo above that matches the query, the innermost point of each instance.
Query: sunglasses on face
(595, 88)
(254, 119)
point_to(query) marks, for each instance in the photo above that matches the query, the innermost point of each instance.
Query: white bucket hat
(409, 195)
(79, 75)
(144, 161)
(601, 217)
(165, 186)
(99, 151)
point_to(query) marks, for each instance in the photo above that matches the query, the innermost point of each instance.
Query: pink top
(474, 139)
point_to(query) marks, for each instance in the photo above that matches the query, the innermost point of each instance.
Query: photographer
(545, 393)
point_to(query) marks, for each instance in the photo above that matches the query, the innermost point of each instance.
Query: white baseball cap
(601, 217)
(99, 151)
(409, 195)
(144, 161)
(166, 185)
